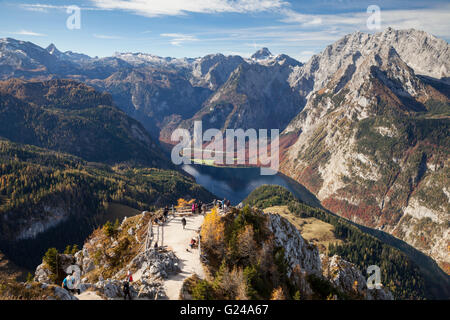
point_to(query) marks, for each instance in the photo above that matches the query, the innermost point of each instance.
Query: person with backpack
(70, 279)
(126, 290)
(183, 222)
(65, 283)
(193, 208)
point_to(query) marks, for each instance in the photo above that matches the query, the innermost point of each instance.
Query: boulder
(63, 294)
(85, 286)
(42, 274)
(150, 290)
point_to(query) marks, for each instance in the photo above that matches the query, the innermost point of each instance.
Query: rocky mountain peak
(52, 49)
(261, 54)
(422, 52)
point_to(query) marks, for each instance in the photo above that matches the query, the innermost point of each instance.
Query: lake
(236, 184)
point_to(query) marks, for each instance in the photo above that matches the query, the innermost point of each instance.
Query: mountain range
(367, 119)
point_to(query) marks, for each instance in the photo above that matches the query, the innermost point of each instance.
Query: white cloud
(304, 55)
(38, 7)
(435, 21)
(238, 53)
(178, 38)
(104, 36)
(179, 7)
(29, 33)
(432, 20)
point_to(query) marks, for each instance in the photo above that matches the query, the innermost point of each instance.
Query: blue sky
(192, 28)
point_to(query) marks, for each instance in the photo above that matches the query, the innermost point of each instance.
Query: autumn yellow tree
(278, 294)
(184, 203)
(212, 232)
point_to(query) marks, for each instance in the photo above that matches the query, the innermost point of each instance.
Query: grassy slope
(312, 229)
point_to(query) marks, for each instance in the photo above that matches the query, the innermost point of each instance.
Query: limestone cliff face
(372, 143)
(423, 52)
(297, 251)
(256, 96)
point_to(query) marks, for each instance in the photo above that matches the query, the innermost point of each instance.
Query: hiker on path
(70, 279)
(126, 290)
(204, 209)
(129, 276)
(193, 208)
(192, 244)
(166, 213)
(183, 222)
(65, 283)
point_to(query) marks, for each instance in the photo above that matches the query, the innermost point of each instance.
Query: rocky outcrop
(155, 264)
(151, 270)
(43, 273)
(303, 259)
(297, 251)
(346, 277)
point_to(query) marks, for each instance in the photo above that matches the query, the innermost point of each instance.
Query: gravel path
(176, 239)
